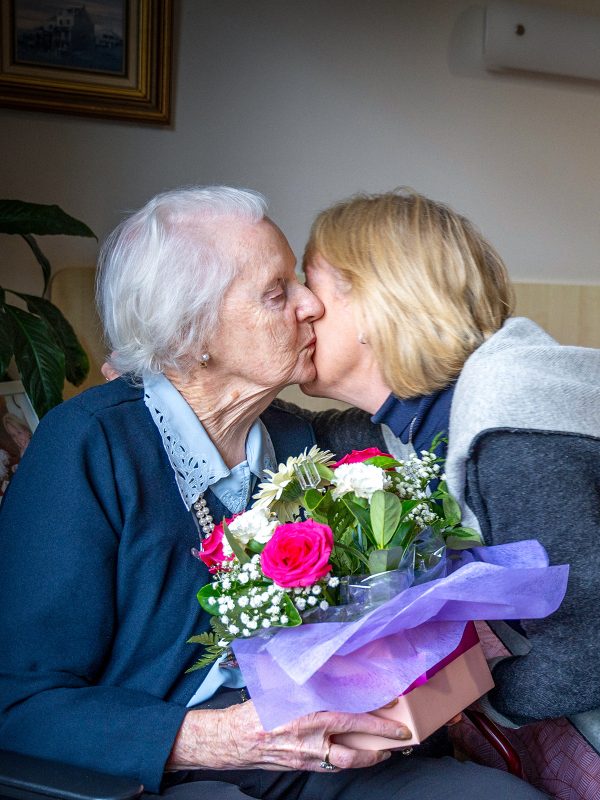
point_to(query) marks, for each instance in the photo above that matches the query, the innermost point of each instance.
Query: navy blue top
(97, 587)
(418, 419)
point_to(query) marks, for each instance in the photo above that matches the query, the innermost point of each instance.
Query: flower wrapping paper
(361, 665)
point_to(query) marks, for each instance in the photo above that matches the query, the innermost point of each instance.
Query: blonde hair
(428, 288)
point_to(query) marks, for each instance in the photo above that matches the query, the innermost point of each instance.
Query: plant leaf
(386, 510)
(213, 649)
(340, 519)
(6, 338)
(361, 515)
(325, 472)
(18, 216)
(452, 510)
(292, 492)
(439, 438)
(385, 560)
(40, 362)
(404, 533)
(463, 538)
(202, 638)
(237, 548)
(77, 364)
(41, 258)
(384, 462)
(207, 591)
(317, 505)
(354, 552)
(293, 615)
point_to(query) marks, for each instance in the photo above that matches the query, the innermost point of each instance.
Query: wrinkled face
(265, 337)
(340, 359)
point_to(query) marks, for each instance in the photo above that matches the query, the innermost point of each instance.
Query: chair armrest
(27, 778)
(492, 733)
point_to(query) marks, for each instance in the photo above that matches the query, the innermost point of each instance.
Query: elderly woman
(207, 323)
(417, 331)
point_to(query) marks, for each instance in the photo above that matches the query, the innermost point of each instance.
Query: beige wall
(310, 101)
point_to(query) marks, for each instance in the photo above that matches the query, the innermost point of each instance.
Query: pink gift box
(434, 698)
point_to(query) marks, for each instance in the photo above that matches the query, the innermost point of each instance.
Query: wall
(311, 101)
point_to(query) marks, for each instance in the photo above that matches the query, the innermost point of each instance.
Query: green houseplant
(42, 342)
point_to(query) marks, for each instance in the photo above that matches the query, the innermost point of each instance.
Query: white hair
(162, 275)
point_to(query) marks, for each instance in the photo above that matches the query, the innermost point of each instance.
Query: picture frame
(18, 421)
(105, 58)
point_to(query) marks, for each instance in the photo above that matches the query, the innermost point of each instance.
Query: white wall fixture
(535, 38)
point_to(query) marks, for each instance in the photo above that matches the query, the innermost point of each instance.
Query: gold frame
(142, 95)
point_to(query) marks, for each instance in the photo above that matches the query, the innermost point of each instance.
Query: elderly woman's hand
(233, 738)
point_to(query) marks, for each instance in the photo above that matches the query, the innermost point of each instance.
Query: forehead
(320, 274)
(262, 251)
(317, 268)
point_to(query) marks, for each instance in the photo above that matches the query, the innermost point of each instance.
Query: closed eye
(277, 294)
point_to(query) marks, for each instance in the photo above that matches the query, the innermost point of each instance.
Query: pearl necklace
(204, 517)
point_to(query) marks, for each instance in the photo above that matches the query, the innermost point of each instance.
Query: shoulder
(522, 377)
(283, 412)
(340, 431)
(88, 421)
(109, 400)
(290, 432)
(117, 394)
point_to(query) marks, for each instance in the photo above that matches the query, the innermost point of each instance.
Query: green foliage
(44, 345)
(210, 640)
(451, 510)
(386, 510)
(324, 471)
(384, 462)
(237, 548)
(41, 363)
(379, 534)
(463, 538)
(385, 560)
(77, 364)
(18, 216)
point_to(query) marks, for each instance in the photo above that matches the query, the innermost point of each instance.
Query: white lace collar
(196, 462)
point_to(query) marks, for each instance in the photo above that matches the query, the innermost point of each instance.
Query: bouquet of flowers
(314, 526)
(371, 549)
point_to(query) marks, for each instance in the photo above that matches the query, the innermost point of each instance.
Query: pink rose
(358, 456)
(298, 553)
(212, 553)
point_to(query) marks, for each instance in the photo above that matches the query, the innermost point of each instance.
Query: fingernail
(386, 754)
(403, 733)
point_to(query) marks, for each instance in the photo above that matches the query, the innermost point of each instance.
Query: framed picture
(17, 424)
(106, 58)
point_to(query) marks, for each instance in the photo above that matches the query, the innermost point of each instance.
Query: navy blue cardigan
(97, 587)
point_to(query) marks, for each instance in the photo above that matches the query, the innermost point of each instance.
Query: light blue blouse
(197, 464)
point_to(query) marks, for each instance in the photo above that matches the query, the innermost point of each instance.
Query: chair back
(72, 290)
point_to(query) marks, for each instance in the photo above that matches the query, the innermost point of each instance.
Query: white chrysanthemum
(253, 524)
(362, 479)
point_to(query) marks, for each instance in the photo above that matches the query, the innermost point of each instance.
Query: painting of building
(83, 37)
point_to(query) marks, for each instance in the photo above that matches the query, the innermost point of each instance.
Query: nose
(310, 307)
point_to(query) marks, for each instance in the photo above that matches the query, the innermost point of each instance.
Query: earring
(204, 359)
(362, 338)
